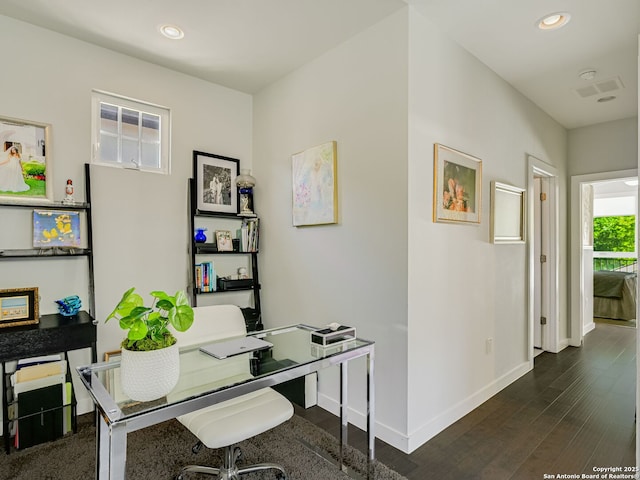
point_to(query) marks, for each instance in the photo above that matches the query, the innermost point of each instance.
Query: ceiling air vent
(602, 86)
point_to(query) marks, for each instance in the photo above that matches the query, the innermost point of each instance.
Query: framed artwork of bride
(25, 166)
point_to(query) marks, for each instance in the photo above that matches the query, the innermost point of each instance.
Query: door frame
(550, 335)
(576, 251)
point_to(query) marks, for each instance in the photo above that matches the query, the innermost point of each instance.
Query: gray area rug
(158, 452)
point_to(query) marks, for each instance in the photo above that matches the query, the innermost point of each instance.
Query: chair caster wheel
(179, 477)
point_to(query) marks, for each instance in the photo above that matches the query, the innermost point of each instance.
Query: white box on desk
(327, 337)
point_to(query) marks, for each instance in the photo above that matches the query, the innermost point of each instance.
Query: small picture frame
(52, 228)
(507, 213)
(215, 179)
(224, 242)
(457, 186)
(19, 306)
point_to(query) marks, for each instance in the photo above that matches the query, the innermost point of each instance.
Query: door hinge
(543, 259)
(543, 196)
(543, 320)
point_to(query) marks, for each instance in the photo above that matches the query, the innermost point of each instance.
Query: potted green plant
(150, 362)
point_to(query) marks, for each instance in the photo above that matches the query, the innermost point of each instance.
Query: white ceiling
(248, 44)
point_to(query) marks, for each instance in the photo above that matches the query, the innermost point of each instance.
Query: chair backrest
(212, 323)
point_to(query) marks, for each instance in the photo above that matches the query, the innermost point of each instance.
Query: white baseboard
(434, 426)
(408, 443)
(588, 327)
(383, 432)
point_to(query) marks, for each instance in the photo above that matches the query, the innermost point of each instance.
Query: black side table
(53, 334)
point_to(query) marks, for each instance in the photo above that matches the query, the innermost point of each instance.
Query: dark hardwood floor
(573, 412)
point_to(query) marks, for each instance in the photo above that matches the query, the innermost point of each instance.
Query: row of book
(41, 407)
(206, 277)
(248, 235)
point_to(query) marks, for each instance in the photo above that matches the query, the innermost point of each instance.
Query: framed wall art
(315, 192)
(457, 186)
(215, 178)
(56, 228)
(25, 165)
(19, 306)
(507, 213)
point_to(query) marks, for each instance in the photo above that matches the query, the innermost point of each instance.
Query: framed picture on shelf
(457, 186)
(224, 241)
(19, 306)
(25, 166)
(215, 179)
(314, 177)
(56, 228)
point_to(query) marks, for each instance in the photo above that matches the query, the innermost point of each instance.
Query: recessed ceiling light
(171, 31)
(554, 20)
(606, 99)
(588, 74)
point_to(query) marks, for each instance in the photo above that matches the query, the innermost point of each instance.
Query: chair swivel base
(230, 471)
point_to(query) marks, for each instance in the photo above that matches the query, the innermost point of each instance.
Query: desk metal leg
(111, 450)
(6, 425)
(371, 407)
(344, 407)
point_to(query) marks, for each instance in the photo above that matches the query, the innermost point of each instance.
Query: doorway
(543, 248)
(582, 213)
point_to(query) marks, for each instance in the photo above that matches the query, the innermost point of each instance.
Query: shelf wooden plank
(49, 205)
(44, 253)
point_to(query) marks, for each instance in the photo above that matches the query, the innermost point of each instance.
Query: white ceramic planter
(149, 375)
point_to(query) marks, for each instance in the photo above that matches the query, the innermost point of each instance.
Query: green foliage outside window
(614, 234)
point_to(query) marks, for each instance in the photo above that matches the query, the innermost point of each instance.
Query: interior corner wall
(604, 147)
(354, 272)
(464, 290)
(140, 220)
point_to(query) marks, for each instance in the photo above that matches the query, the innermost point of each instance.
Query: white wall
(463, 289)
(608, 146)
(140, 219)
(354, 272)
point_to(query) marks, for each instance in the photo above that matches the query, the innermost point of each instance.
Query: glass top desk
(292, 353)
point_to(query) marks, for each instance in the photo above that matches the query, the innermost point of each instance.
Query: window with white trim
(129, 133)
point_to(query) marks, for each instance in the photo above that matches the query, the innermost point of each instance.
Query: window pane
(150, 128)
(108, 148)
(151, 155)
(129, 152)
(130, 120)
(125, 131)
(108, 118)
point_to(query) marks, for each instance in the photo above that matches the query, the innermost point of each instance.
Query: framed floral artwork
(457, 186)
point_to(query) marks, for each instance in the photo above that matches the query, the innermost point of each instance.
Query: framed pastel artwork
(457, 186)
(315, 193)
(25, 166)
(215, 178)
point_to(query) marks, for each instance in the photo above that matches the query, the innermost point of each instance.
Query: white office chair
(230, 422)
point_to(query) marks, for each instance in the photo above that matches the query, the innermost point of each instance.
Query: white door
(537, 252)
